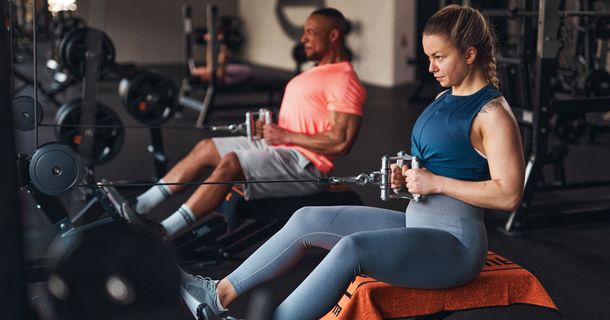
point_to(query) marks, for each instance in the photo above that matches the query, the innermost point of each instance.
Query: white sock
(178, 221)
(217, 300)
(152, 197)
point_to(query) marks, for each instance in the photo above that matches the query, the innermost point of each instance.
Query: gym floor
(571, 261)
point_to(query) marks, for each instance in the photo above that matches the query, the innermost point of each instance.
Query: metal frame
(13, 302)
(543, 107)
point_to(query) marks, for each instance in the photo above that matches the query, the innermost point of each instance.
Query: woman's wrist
(439, 184)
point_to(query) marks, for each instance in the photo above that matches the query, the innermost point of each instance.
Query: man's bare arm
(336, 141)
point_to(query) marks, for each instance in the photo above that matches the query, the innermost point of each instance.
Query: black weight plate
(104, 273)
(23, 113)
(570, 127)
(74, 46)
(107, 141)
(54, 169)
(149, 97)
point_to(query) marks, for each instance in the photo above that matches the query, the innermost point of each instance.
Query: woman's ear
(471, 55)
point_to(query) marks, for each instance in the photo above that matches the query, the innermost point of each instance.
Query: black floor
(572, 262)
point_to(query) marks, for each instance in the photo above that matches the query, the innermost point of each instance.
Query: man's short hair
(338, 18)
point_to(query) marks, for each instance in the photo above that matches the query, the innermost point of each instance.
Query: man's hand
(275, 135)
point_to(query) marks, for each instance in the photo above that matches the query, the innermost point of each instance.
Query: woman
(469, 144)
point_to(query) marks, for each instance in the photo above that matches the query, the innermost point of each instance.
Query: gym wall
(150, 32)
(382, 39)
(147, 31)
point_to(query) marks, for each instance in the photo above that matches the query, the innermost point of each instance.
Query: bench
(500, 283)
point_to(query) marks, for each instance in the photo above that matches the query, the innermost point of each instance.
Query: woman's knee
(303, 217)
(351, 245)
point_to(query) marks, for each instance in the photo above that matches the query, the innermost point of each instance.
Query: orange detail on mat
(500, 283)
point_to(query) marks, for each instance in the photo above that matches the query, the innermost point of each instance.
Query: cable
(143, 184)
(112, 126)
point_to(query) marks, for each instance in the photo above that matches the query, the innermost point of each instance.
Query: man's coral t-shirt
(310, 96)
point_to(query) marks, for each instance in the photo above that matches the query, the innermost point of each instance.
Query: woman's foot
(200, 296)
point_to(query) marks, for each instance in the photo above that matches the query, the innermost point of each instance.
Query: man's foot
(122, 209)
(199, 294)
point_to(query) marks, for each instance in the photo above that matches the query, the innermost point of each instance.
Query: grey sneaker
(199, 294)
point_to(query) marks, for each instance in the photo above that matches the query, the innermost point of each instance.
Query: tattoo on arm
(491, 106)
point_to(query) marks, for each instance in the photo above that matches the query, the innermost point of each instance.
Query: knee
(302, 217)
(203, 148)
(229, 165)
(349, 246)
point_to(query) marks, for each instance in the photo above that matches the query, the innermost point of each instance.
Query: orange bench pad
(500, 283)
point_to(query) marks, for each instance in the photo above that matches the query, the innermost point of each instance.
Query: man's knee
(230, 166)
(205, 152)
(204, 146)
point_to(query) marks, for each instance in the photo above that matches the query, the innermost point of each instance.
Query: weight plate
(23, 113)
(570, 127)
(149, 97)
(107, 141)
(104, 273)
(54, 169)
(73, 47)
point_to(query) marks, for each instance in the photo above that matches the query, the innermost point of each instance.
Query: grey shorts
(262, 162)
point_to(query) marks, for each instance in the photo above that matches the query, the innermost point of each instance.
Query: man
(319, 119)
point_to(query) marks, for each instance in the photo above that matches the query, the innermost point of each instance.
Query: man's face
(316, 37)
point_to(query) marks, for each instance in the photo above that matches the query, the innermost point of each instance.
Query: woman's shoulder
(497, 102)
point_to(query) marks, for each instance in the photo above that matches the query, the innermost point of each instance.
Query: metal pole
(547, 46)
(12, 280)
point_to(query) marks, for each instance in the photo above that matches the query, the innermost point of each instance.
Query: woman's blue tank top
(441, 136)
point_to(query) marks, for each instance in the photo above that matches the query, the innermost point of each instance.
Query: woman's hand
(397, 179)
(421, 181)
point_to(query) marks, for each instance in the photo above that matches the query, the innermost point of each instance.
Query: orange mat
(500, 283)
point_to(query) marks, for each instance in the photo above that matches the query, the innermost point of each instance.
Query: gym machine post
(262, 81)
(543, 106)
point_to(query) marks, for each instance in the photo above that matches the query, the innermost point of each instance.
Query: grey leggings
(439, 243)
